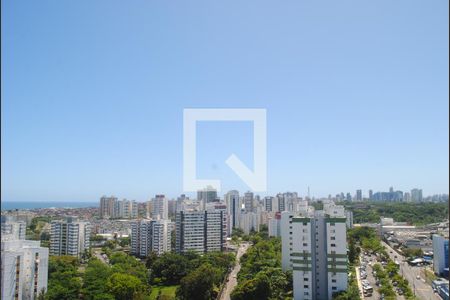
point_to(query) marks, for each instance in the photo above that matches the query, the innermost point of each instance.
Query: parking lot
(366, 281)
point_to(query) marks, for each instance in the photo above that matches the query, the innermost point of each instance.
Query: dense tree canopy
(125, 286)
(413, 213)
(200, 283)
(261, 276)
(64, 281)
(95, 279)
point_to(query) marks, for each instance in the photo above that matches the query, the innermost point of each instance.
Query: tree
(352, 293)
(170, 268)
(95, 279)
(279, 282)
(63, 280)
(123, 263)
(123, 242)
(124, 286)
(150, 260)
(253, 289)
(199, 284)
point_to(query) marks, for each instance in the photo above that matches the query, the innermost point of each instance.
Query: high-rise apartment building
(24, 269)
(112, 208)
(270, 204)
(126, 209)
(12, 229)
(281, 204)
(407, 197)
(150, 236)
(416, 195)
(69, 237)
(370, 195)
(314, 247)
(358, 195)
(160, 207)
(248, 202)
(250, 221)
(440, 255)
(207, 195)
(274, 225)
(348, 197)
(107, 206)
(234, 207)
(221, 206)
(199, 231)
(290, 201)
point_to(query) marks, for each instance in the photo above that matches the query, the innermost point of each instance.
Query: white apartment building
(199, 231)
(150, 236)
(249, 221)
(281, 204)
(274, 225)
(127, 209)
(160, 207)
(107, 206)
(270, 203)
(69, 237)
(24, 269)
(440, 255)
(221, 206)
(13, 230)
(314, 246)
(161, 236)
(112, 208)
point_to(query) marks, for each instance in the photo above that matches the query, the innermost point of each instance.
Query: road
(232, 277)
(421, 289)
(100, 257)
(370, 278)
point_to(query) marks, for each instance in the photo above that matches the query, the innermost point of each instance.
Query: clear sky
(93, 94)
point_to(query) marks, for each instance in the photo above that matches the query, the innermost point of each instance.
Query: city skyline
(222, 195)
(93, 94)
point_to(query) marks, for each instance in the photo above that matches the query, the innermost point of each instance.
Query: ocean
(11, 205)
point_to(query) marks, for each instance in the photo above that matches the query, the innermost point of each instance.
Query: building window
(333, 238)
(304, 223)
(332, 224)
(306, 279)
(306, 286)
(333, 245)
(305, 244)
(334, 288)
(306, 293)
(333, 280)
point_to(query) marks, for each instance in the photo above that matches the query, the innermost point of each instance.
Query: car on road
(417, 277)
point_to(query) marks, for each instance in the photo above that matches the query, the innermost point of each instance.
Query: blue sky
(93, 94)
